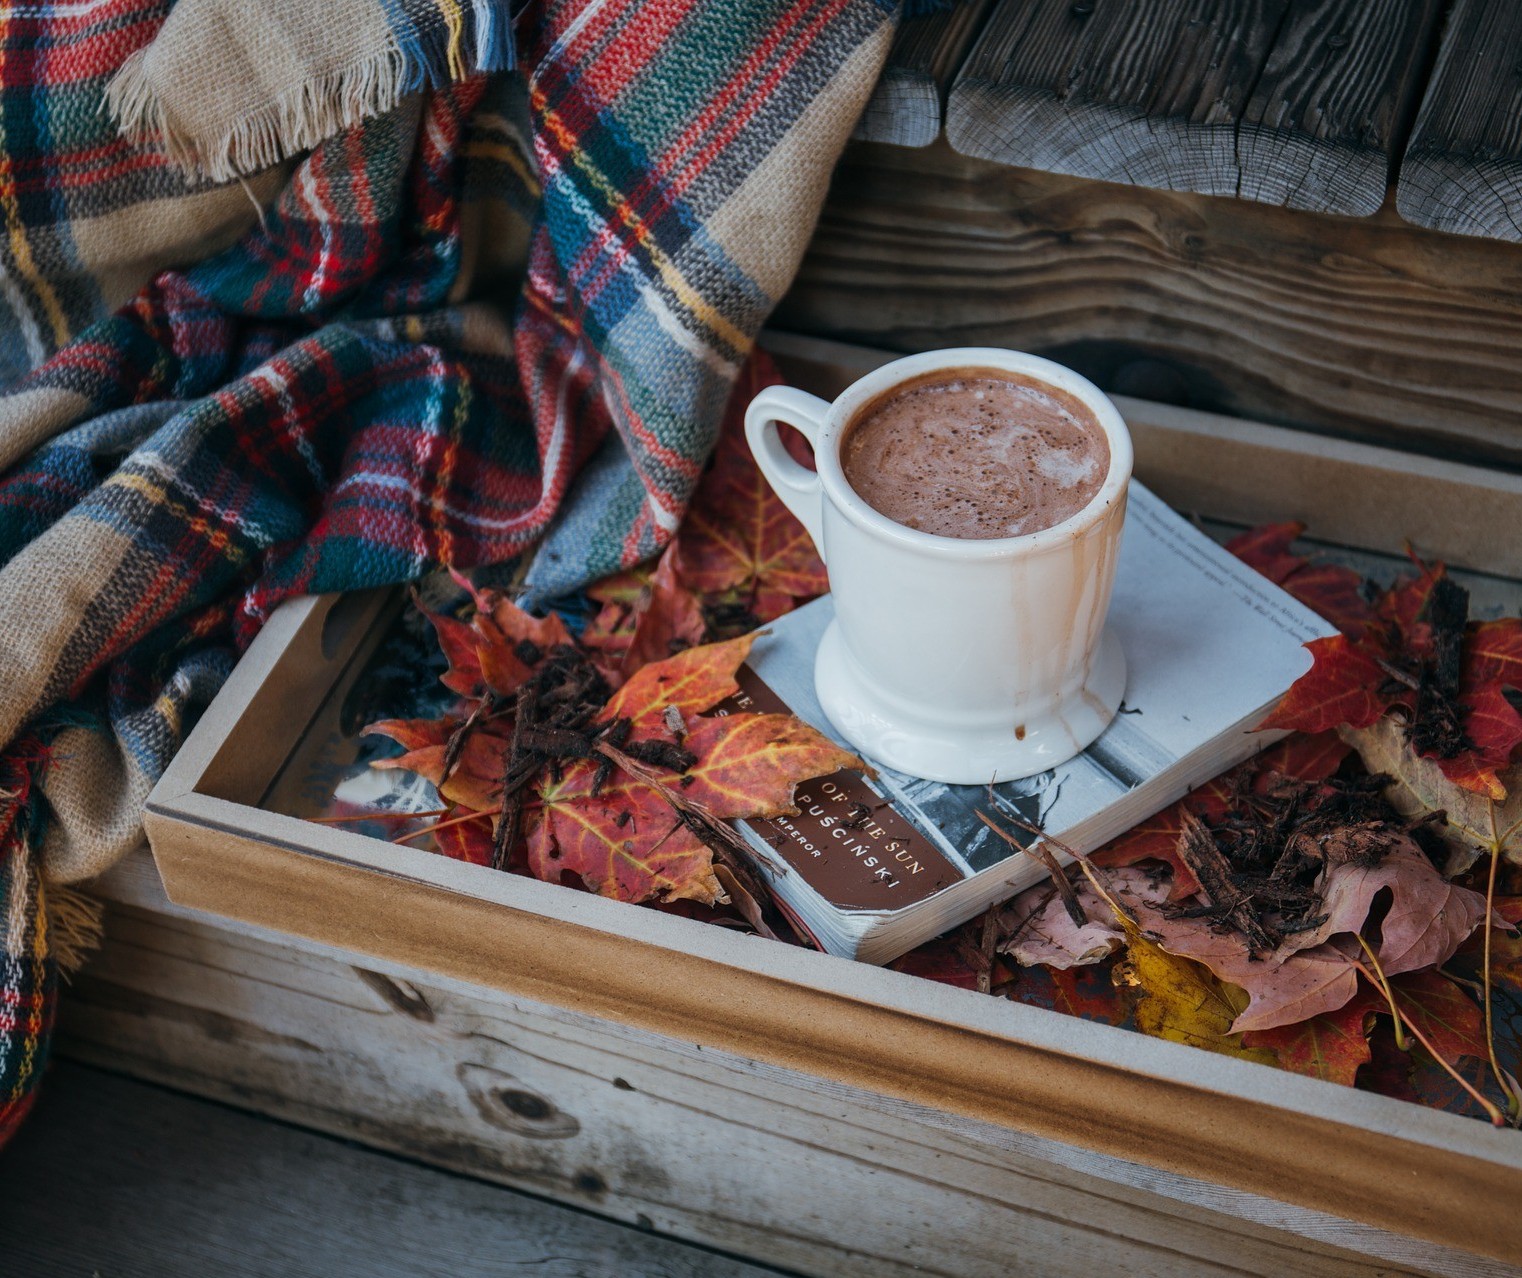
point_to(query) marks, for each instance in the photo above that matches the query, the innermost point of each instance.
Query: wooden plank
(778, 1165)
(1289, 104)
(1462, 170)
(1370, 329)
(907, 108)
(1329, 111)
(1147, 92)
(115, 1177)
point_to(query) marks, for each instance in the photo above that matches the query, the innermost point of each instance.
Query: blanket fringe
(76, 926)
(289, 123)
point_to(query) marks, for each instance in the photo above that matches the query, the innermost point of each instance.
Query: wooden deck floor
(112, 1178)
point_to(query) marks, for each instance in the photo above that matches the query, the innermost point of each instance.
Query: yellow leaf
(1181, 1001)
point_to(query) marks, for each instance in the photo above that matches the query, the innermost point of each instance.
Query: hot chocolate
(976, 454)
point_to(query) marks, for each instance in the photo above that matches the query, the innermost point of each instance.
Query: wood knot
(399, 996)
(505, 1103)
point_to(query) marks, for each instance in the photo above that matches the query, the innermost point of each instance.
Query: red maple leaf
(1331, 1046)
(739, 544)
(645, 616)
(1331, 590)
(1352, 681)
(1341, 687)
(618, 824)
(623, 837)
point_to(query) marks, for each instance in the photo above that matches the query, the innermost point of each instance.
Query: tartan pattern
(321, 407)
(28, 977)
(638, 312)
(62, 163)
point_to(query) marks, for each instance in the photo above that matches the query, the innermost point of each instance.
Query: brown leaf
(1428, 918)
(1044, 933)
(1418, 786)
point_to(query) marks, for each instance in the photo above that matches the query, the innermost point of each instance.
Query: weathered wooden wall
(1364, 327)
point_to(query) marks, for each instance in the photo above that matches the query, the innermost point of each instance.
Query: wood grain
(1367, 328)
(115, 1177)
(907, 107)
(1332, 103)
(1140, 91)
(1302, 105)
(783, 1167)
(1462, 171)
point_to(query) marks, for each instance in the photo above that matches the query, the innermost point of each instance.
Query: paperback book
(871, 867)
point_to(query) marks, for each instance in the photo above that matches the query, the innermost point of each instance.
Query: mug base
(967, 756)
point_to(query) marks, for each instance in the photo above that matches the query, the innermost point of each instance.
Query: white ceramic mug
(954, 659)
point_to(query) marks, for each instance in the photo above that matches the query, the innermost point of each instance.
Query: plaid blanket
(443, 312)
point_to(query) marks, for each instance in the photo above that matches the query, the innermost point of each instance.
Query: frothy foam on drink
(977, 456)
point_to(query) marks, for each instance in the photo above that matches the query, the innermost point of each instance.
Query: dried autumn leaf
(627, 844)
(1332, 1046)
(1505, 944)
(485, 652)
(1301, 756)
(749, 764)
(1313, 971)
(424, 741)
(1443, 1012)
(466, 840)
(645, 616)
(619, 833)
(1341, 687)
(1183, 1003)
(1155, 839)
(1418, 786)
(475, 781)
(1046, 934)
(691, 681)
(1428, 917)
(511, 622)
(1085, 992)
(738, 538)
(1331, 590)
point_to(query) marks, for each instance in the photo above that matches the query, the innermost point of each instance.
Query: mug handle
(797, 486)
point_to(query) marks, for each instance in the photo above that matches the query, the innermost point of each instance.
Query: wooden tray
(1434, 1190)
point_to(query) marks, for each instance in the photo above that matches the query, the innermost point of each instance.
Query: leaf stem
(1497, 1118)
(1381, 982)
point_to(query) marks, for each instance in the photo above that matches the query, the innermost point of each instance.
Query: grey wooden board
(907, 107)
(1462, 170)
(120, 1179)
(1290, 104)
(1332, 103)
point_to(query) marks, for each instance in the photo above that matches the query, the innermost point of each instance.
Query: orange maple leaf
(623, 838)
